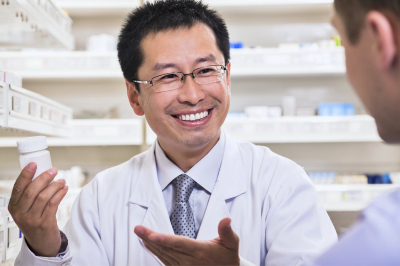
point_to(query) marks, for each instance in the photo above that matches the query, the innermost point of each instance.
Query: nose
(190, 92)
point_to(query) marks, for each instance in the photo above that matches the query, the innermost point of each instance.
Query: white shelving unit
(62, 65)
(34, 24)
(274, 62)
(95, 132)
(271, 6)
(107, 7)
(28, 111)
(98, 8)
(246, 63)
(351, 197)
(313, 129)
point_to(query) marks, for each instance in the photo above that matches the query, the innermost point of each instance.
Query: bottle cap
(32, 144)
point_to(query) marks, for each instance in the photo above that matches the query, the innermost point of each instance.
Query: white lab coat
(273, 206)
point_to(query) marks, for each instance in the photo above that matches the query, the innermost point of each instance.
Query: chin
(197, 140)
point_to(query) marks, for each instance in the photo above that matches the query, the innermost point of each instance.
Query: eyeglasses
(173, 81)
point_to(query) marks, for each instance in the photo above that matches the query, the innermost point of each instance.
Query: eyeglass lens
(173, 81)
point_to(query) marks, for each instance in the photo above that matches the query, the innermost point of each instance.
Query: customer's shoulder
(388, 204)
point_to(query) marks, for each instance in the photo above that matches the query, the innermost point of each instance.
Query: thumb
(226, 234)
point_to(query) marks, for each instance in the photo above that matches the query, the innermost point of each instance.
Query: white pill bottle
(33, 150)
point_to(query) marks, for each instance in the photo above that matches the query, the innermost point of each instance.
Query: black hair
(161, 16)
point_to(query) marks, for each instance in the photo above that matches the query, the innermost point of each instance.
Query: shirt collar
(205, 172)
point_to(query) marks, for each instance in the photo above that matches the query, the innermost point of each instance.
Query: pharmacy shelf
(34, 24)
(23, 110)
(245, 63)
(313, 129)
(288, 62)
(271, 6)
(65, 207)
(62, 65)
(351, 197)
(95, 132)
(122, 7)
(84, 8)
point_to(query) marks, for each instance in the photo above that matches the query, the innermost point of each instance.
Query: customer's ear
(380, 29)
(134, 98)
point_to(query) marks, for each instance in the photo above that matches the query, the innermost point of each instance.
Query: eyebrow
(161, 66)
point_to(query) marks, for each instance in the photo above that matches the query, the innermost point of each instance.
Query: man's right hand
(33, 206)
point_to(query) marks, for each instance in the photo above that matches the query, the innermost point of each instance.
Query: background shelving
(34, 24)
(30, 112)
(246, 63)
(94, 132)
(313, 129)
(121, 7)
(351, 197)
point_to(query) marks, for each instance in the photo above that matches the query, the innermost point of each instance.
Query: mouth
(194, 117)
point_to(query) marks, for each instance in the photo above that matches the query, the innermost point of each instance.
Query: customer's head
(370, 30)
(177, 36)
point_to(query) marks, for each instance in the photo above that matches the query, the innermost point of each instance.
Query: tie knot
(184, 187)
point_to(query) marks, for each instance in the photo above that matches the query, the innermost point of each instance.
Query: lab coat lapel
(147, 205)
(230, 184)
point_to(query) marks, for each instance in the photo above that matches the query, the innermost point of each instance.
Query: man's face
(183, 50)
(370, 81)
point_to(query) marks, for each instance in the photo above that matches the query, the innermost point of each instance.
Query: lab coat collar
(231, 175)
(231, 182)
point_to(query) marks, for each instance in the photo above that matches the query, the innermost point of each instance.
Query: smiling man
(196, 197)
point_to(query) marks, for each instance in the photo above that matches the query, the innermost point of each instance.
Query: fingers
(228, 237)
(45, 196)
(172, 246)
(33, 189)
(51, 208)
(24, 179)
(179, 243)
(165, 258)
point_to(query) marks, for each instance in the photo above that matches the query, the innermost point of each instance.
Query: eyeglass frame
(183, 77)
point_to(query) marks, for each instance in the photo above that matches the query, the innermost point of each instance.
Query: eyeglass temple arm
(142, 82)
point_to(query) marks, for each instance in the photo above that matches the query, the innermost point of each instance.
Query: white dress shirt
(205, 173)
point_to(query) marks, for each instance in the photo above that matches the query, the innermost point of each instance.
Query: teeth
(193, 117)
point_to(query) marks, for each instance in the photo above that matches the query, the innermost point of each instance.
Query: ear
(228, 76)
(382, 33)
(134, 98)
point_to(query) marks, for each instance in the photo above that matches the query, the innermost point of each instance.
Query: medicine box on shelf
(28, 111)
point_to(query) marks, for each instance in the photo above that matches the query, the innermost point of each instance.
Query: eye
(170, 76)
(207, 71)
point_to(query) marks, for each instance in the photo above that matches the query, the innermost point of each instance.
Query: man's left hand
(181, 250)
